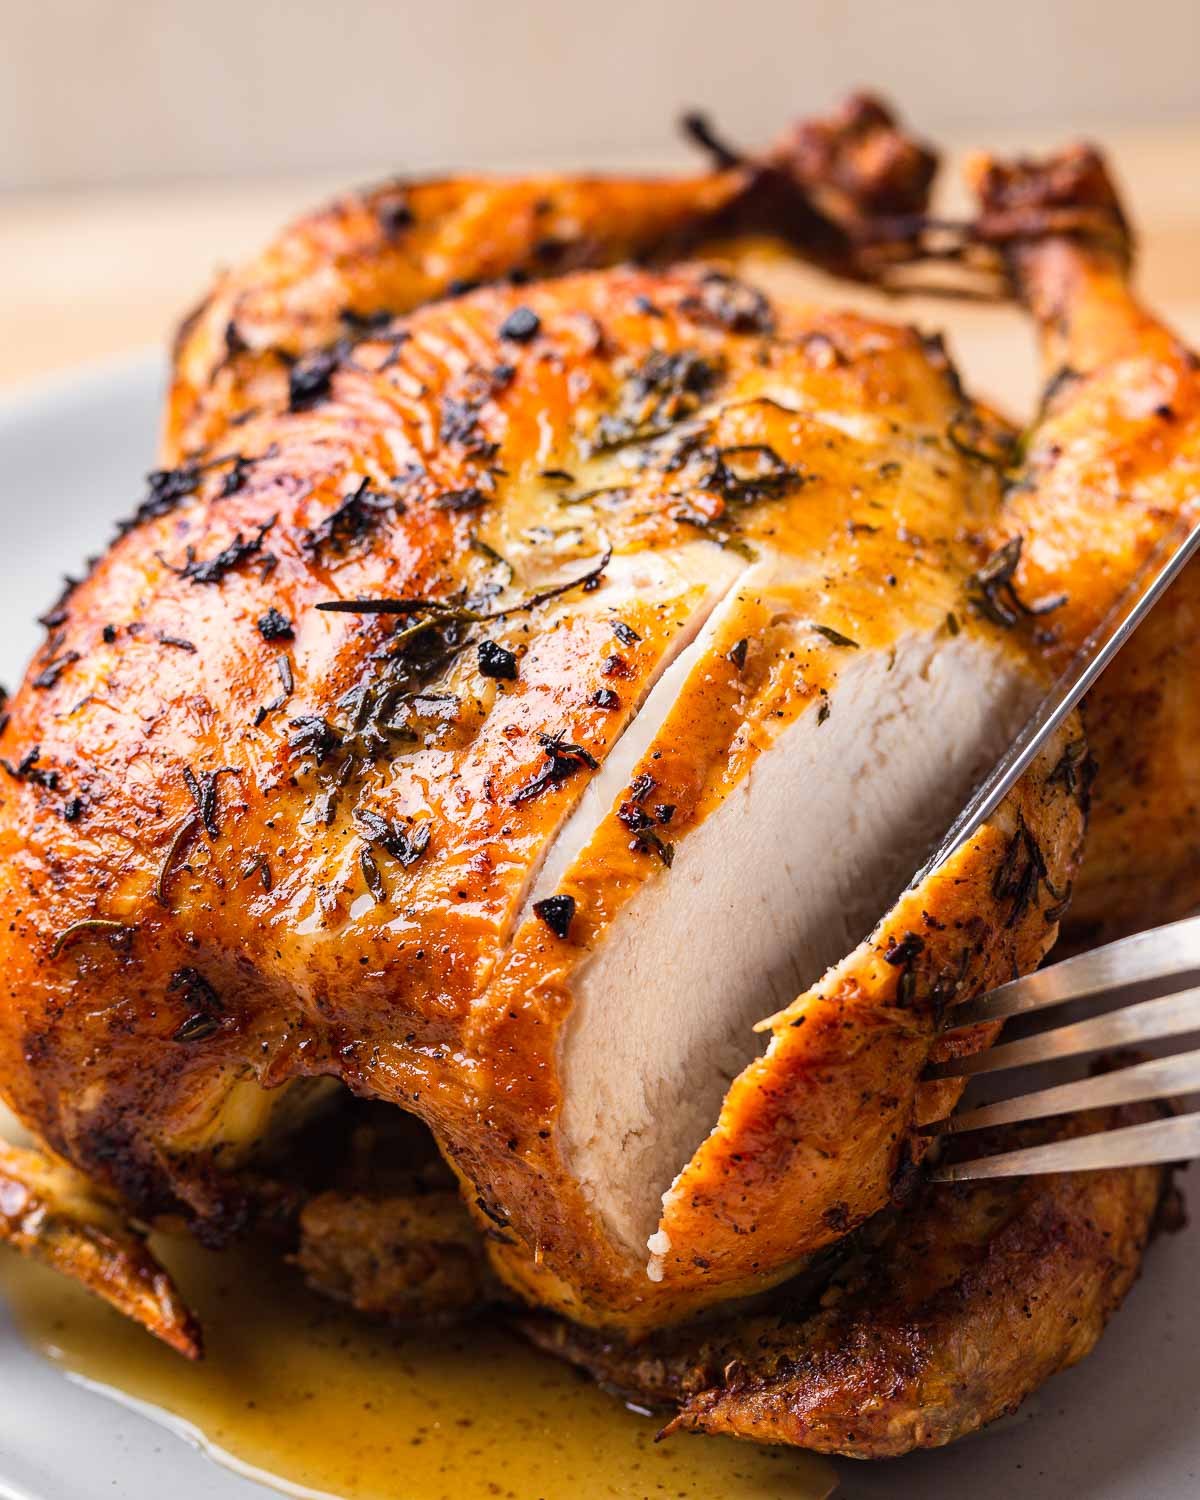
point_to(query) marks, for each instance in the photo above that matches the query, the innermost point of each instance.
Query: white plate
(1122, 1426)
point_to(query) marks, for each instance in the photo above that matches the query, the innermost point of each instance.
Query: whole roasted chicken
(523, 697)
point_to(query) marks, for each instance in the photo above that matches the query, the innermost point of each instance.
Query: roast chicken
(526, 704)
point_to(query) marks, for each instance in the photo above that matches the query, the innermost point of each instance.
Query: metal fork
(1158, 957)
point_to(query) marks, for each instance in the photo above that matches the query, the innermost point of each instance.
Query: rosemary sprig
(444, 610)
(86, 924)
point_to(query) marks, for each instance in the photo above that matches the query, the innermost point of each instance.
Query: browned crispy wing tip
(52, 1213)
(1070, 192)
(862, 155)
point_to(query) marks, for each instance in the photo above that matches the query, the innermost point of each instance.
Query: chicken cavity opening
(784, 878)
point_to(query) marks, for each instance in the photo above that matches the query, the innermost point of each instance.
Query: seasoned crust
(234, 920)
(1108, 469)
(944, 1318)
(825, 186)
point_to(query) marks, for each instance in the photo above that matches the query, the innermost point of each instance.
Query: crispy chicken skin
(824, 187)
(250, 844)
(946, 1317)
(1117, 446)
(268, 880)
(54, 1214)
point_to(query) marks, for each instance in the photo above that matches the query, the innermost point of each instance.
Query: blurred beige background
(142, 142)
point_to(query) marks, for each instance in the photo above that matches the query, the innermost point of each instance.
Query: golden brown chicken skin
(947, 1317)
(249, 841)
(251, 844)
(826, 187)
(1114, 453)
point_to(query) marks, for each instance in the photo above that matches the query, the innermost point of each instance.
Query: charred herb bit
(459, 427)
(87, 924)
(497, 661)
(1071, 767)
(563, 760)
(50, 674)
(626, 634)
(372, 876)
(640, 823)
(355, 517)
(432, 609)
(835, 637)
(287, 683)
(729, 303)
(259, 865)
(165, 488)
(196, 992)
(234, 342)
(315, 736)
(461, 501)
(196, 1028)
(559, 476)
(3, 708)
(823, 712)
(952, 624)
(646, 838)
(903, 955)
(605, 698)
(660, 392)
(235, 480)
(990, 590)
(179, 642)
(1021, 870)
(213, 570)
(58, 614)
(203, 792)
(737, 654)
(521, 325)
(406, 844)
(910, 946)
(309, 378)
(179, 840)
(27, 769)
(749, 472)
(274, 626)
(557, 912)
(641, 787)
(394, 214)
(992, 593)
(73, 809)
(967, 434)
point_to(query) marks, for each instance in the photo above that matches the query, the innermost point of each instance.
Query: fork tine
(1133, 1146)
(1171, 1015)
(1163, 1078)
(1161, 953)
